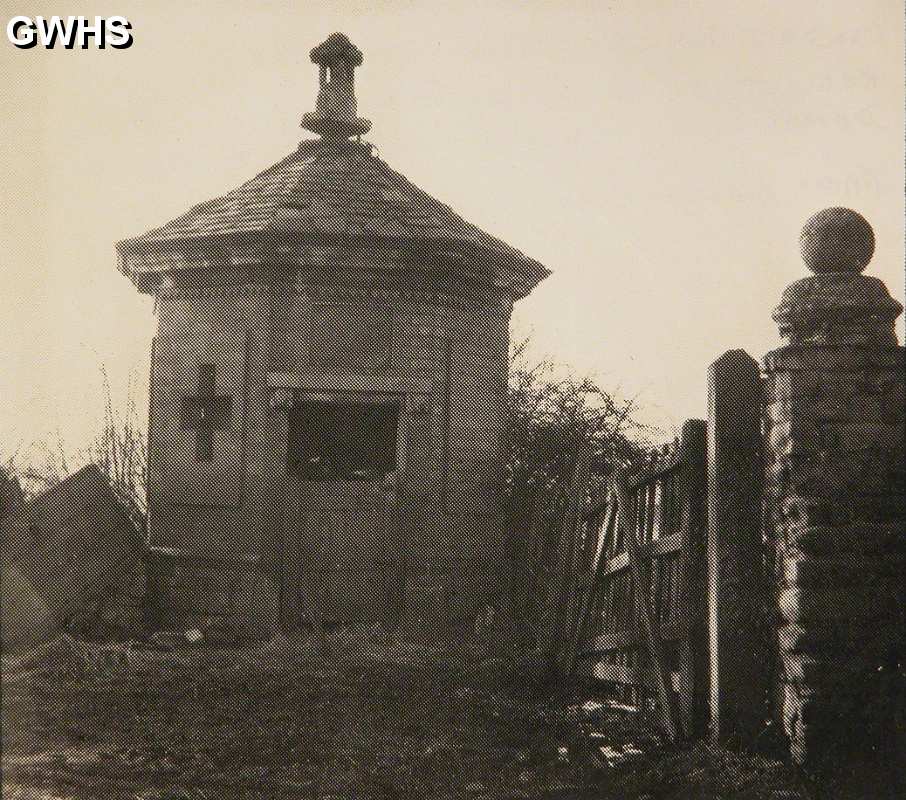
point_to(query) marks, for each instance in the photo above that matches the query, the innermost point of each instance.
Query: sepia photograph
(410, 399)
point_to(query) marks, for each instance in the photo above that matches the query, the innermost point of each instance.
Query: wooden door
(345, 455)
(347, 558)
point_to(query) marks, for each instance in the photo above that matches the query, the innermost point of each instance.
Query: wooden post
(573, 532)
(588, 601)
(693, 646)
(669, 715)
(560, 590)
(738, 658)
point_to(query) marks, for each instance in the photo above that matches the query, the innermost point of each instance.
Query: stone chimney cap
(335, 116)
(837, 240)
(337, 47)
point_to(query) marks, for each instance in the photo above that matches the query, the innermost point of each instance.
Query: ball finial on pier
(837, 240)
(838, 305)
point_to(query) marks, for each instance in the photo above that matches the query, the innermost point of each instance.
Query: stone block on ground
(66, 551)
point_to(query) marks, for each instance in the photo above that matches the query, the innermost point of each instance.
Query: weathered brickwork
(835, 405)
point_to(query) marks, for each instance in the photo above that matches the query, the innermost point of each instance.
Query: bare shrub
(119, 449)
(550, 419)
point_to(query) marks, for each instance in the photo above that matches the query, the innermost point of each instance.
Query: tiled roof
(330, 192)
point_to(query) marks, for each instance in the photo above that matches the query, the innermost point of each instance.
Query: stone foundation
(191, 594)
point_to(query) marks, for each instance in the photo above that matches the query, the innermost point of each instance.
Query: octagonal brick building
(328, 389)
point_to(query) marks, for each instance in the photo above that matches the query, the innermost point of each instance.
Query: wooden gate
(668, 506)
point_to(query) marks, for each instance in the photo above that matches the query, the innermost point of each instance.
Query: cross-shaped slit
(206, 413)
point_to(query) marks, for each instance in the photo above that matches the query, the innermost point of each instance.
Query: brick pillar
(835, 498)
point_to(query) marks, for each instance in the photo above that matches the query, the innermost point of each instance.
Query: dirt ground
(373, 719)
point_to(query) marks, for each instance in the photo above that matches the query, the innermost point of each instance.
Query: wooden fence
(696, 586)
(602, 617)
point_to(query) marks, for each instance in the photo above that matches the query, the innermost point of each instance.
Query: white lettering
(86, 30)
(118, 28)
(50, 29)
(27, 32)
(21, 32)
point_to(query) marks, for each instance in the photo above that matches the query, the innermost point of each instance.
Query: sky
(659, 157)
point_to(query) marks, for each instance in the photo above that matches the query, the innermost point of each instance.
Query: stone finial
(837, 240)
(335, 114)
(837, 305)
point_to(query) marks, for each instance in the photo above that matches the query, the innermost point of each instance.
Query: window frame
(347, 397)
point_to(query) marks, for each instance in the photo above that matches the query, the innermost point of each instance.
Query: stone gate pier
(834, 499)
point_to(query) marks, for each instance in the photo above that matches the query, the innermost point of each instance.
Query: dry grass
(377, 718)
